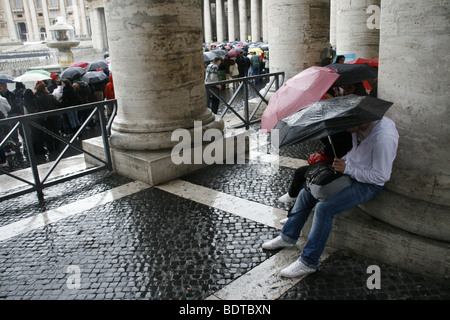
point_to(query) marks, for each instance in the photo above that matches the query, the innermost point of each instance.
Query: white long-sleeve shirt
(4, 106)
(371, 161)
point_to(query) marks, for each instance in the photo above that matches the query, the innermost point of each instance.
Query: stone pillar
(265, 32)
(296, 45)
(243, 24)
(99, 33)
(352, 32)
(220, 27)
(46, 16)
(11, 25)
(62, 9)
(207, 20)
(161, 83)
(333, 14)
(231, 21)
(255, 20)
(414, 64)
(84, 28)
(76, 17)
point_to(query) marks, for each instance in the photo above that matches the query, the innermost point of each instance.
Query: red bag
(318, 157)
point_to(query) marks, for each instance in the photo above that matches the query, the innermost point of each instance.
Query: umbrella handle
(332, 146)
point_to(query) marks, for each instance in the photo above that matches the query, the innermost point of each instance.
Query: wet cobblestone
(151, 245)
(343, 276)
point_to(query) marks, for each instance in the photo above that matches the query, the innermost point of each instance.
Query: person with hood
(53, 83)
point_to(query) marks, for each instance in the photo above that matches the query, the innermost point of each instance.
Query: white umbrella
(32, 77)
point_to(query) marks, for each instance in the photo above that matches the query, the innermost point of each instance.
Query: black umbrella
(100, 64)
(330, 116)
(94, 77)
(70, 73)
(353, 73)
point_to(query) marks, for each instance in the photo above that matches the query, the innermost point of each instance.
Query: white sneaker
(296, 269)
(286, 198)
(10, 153)
(276, 243)
(283, 221)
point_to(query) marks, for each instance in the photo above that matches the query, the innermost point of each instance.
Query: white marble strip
(264, 281)
(53, 216)
(64, 167)
(244, 208)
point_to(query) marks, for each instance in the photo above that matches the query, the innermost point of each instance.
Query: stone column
(220, 21)
(62, 9)
(46, 16)
(333, 14)
(76, 17)
(231, 21)
(255, 20)
(159, 84)
(414, 64)
(11, 25)
(265, 32)
(99, 33)
(84, 28)
(352, 32)
(296, 45)
(243, 24)
(207, 20)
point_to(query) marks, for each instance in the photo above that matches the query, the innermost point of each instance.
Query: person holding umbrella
(369, 164)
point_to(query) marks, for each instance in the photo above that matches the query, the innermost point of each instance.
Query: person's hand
(339, 165)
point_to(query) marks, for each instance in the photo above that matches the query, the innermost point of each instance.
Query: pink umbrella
(298, 92)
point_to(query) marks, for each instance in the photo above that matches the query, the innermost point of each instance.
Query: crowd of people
(233, 66)
(50, 95)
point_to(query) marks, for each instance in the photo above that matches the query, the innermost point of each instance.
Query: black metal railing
(27, 122)
(245, 84)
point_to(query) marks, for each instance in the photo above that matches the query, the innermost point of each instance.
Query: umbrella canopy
(79, 64)
(353, 73)
(257, 50)
(94, 77)
(208, 56)
(370, 62)
(99, 64)
(44, 72)
(298, 92)
(33, 76)
(70, 73)
(330, 116)
(6, 79)
(220, 53)
(234, 53)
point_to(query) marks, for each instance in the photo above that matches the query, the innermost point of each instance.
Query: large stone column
(156, 49)
(298, 32)
(207, 20)
(243, 22)
(231, 21)
(414, 64)
(353, 34)
(255, 20)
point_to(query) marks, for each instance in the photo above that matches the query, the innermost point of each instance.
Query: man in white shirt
(369, 164)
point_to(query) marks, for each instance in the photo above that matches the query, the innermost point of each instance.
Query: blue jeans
(255, 72)
(324, 214)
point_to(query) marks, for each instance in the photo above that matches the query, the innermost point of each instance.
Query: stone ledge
(356, 230)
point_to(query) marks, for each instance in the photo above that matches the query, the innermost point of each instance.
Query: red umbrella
(298, 92)
(79, 64)
(370, 62)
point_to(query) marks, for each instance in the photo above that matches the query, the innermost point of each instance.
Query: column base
(155, 167)
(357, 231)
